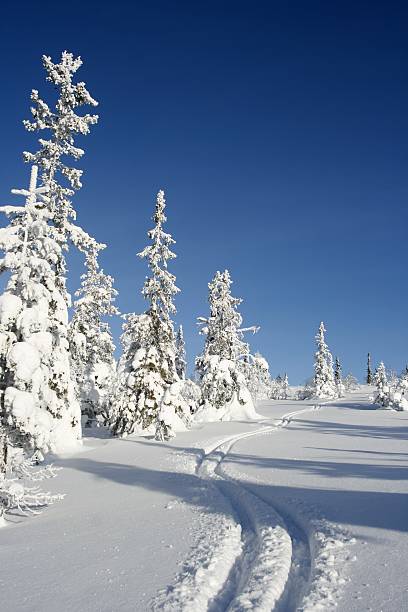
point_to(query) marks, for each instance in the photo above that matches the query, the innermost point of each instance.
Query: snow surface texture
(253, 515)
(255, 575)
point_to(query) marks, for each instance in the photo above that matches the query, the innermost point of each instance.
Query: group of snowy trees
(40, 410)
(56, 372)
(391, 390)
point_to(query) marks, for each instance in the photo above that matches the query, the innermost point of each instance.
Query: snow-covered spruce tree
(284, 392)
(91, 345)
(398, 394)
(280, 387)
(181, 363)
(383, 388)
(324, 384)
(190, 391)
(148, 390)
(338, 378)
(257, 376)
(350, 382)
(369, 377)
(39, 410)
(380, 376)
(224, 390)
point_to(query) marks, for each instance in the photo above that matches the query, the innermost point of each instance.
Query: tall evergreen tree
(91, 344)
(383, 388)
(148, 392)
(337, 370)
(39, 410)
(380, 376)
(219, 368)
(338, 379)
(324, 384)
(285, 387)
(369, 378)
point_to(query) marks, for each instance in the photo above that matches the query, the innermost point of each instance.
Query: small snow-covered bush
(16, 494)
(351, 383)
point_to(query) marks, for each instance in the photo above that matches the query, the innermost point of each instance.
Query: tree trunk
(3, 452)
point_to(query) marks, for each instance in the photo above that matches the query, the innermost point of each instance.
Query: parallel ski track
(264, 574)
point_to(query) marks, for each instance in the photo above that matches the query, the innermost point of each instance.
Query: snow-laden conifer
(383, 387)
(369, 377)
(338, 379)
(380, 376)
(148, 391)
(191, 393)
(225, 394)
(282, 384)
(257, 377)
(398, 393)
(91, 344)
(39, 409)
(279, 387)
(392, 391)
(284, 390)
(324, 384)
(350, 382)
(181, 362)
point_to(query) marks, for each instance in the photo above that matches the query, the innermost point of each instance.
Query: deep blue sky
(279, 132)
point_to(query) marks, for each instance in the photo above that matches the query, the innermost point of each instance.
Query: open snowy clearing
(306, 509)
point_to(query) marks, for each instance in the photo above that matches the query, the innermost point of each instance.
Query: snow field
(264, 515)
(247, 565)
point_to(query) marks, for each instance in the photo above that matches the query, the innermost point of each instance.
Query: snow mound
(235, 410)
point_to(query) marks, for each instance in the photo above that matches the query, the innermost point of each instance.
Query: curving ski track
(261, 560)
(265, 575)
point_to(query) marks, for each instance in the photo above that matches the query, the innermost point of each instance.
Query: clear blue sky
(279, 133)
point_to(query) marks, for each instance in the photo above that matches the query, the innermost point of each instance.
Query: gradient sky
(279, 131)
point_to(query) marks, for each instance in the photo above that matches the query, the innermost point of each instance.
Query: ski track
(265, 564)
(259, 557)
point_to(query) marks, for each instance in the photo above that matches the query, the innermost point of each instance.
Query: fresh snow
(302, 509)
